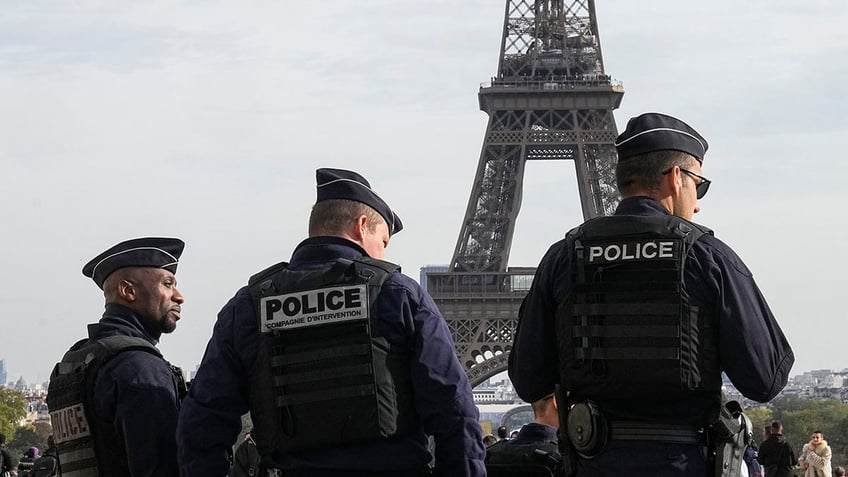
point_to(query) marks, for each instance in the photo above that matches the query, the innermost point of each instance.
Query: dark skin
(150, 292)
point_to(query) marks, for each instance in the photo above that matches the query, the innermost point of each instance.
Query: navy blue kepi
(651, 132)
(348, 185)
(156, 252)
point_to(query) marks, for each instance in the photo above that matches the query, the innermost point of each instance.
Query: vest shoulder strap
(88, 352)
(265, 282)
(268, 272)
(628, 225)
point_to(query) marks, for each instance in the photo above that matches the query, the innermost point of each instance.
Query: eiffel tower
(550, 100)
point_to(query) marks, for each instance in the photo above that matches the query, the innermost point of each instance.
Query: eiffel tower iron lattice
(550, 100)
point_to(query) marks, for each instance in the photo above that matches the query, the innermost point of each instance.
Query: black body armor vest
(626, 329)
(322, 378)
(74, 425)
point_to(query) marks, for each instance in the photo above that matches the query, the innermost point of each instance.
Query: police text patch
(635, 250)
(69, 423)
(314, 307)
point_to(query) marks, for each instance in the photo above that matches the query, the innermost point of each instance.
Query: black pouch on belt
(587, 429)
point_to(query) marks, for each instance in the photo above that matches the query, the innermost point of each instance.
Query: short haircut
(332, 217)
(540, 405)
(644, 172)
(776, 426)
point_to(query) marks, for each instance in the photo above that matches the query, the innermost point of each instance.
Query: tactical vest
(626, 328)
(75, 426)
(322, 378)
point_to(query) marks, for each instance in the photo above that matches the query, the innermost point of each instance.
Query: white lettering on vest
(649, 250)
(69, 423)
(313, 307)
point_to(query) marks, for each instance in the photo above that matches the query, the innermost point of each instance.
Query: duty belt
(343, 473)
(651, 431)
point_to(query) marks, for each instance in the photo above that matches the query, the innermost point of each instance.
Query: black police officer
(114, 401)
(636, 315)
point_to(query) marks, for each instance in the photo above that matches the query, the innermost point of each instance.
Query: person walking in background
(776, 453)
(113, 396)
(636, 315)
(345, 364)
(815, 457)
(6, 462)
(27, 462)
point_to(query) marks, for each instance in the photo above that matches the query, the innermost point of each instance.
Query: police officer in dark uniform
(345, 364)
(114, 401)
(635, 316)
(535, 447)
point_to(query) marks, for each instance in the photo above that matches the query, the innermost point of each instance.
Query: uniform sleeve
(141, 387)
(533, 359)
(443, 397)
(753, 350)
(210, 419)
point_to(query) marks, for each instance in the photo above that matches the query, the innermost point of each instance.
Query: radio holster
(587, 429)
(730, 433)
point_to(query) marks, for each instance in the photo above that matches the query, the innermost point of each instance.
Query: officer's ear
(674, 181)
(127, 290)
(360, 227)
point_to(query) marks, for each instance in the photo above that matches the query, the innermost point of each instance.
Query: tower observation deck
(551, 100)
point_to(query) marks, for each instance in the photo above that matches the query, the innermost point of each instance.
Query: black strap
(627, 331)
(326, 395)
(627, 353)
(650, 431)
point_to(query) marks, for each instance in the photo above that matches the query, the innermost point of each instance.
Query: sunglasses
(701, 187)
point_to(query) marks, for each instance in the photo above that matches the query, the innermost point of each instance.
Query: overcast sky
(206, 120)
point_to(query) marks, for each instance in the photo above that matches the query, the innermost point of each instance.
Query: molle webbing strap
(320, 375)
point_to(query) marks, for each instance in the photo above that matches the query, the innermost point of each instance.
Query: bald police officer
(636, 315)
(113, 399)
(345, 364)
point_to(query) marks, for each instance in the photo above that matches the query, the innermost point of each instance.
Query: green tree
(12, 410)
(25, 437)
(800, 417)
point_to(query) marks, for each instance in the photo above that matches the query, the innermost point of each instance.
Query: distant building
(2, 372)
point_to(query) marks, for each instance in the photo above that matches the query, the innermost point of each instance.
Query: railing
(510, 284)
(554, 83)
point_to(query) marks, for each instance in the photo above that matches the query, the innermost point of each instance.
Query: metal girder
(550, 100)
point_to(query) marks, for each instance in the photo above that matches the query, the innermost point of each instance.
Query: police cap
(651, 132)
(348, 185)
(152, 252)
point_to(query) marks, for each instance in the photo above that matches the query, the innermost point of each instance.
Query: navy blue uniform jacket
(753, 351)
(135, 398)
(210, 419)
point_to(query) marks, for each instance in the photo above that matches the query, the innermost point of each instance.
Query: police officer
(636, 315)
(345, 364)
(113, 399)
(535, 447)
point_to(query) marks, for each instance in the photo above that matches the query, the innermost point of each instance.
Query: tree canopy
(12, 410)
